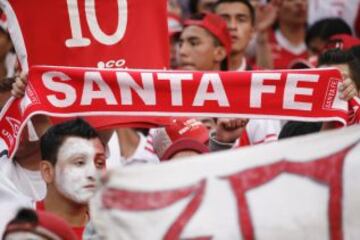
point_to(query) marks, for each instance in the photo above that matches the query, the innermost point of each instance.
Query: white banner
(302, 188)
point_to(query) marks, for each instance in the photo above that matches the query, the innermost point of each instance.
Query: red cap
(217, 26)
(185, 144)
(181, 128)
(48, 225)
(342, 41)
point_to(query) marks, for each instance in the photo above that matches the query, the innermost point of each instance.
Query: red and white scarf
(308, 95)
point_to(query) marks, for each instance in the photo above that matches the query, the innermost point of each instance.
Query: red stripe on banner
(319, 170)
(147, 201)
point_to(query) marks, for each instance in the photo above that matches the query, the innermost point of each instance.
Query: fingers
(348, 89)
(19, 86)
(233, 123)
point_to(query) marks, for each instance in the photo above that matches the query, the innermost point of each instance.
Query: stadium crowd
(46, 187)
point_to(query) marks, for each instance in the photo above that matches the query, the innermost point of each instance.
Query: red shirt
(78, 230)
(283, 52)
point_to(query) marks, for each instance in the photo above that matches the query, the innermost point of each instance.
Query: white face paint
(23, 235)
(78, 162)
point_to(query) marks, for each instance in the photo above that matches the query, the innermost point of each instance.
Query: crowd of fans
(57, 174)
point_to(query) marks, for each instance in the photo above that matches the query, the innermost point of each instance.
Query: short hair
(350, 57)
(326, 28)
(295, 128)
(55, 136)
(245, 2)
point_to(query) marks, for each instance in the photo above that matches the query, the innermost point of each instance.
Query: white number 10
(78, 40)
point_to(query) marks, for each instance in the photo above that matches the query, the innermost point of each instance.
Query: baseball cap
(184, 144)
(40, 223)
(216, 26)
(180, 129)
(342, 42)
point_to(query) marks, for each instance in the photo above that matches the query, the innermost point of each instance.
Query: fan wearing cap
(40, 225)
(204, 43)
(321, 31)
(183, 138)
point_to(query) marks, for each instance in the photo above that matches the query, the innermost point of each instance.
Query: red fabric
(110, 122)
(208, 94)
(46, 28)
(244, 139)
(343, 41)
(187, 128)
(40, 206)
(47, 225)
(282, 57)
(354, 111)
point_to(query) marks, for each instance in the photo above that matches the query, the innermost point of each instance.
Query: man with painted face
(73, 155)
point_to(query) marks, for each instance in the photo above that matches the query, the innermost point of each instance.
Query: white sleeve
(11, 200)
(262, 130)
(144, 152)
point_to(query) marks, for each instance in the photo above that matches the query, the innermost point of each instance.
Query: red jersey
(283, 52)
(78, 230)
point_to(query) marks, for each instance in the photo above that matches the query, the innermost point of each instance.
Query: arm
(226, 132)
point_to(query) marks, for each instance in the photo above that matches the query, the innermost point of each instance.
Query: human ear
(219, 53)
(47, 171)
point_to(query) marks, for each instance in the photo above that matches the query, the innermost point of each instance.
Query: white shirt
(144, 153)
(11, 198)
(28, 182)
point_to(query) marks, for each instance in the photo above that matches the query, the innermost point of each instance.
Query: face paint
(77, 166)
(23, 235)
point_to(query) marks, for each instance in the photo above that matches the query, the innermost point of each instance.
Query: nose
(232, 24)
(183, 49)
(91, 172)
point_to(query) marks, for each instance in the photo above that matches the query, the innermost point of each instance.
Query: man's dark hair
(51, 141)
(350, 57)
(245, 2)
(25, 215)
(325, 28)
(295, 128)
(194, 4)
